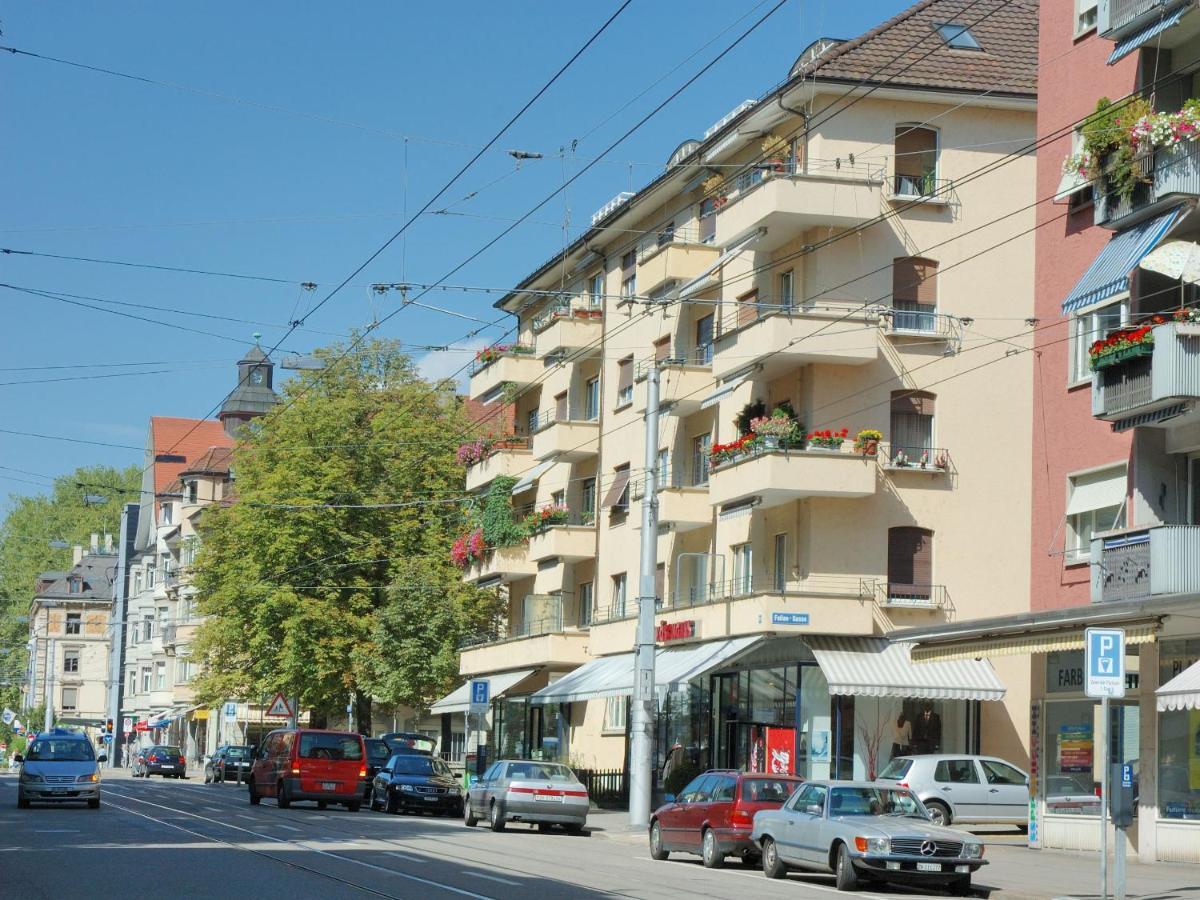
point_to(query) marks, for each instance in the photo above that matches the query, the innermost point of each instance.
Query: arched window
(910, 564)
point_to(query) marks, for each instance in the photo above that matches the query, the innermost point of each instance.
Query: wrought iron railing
(918, 457)
(503, 630)
(922, 322)
(564, 309)
(921, 187)
(897, 594)
(694, 356)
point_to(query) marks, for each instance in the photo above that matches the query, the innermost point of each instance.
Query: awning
(875, 667)
(697, 284)
(1182, 691)
(1108, 275)
(723, 391)
(1097, 491)
(737, 510)
(459, 700)
(1025, 643)
(1150, 418)
(1139, 38)
(612, 676)
(532, 476)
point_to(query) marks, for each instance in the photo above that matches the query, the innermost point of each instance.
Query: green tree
(317, 599)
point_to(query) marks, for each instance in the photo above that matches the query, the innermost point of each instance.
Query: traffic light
(108, 726)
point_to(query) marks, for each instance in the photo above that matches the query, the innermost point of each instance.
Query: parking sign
(1104, 662)
(480, 695)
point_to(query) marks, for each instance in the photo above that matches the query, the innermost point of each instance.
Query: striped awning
(459, 700)
(1150, 418)
(723, 391)
(1137, 39)
(1108, 275)
(1024, 643)
(1182, 691)
(876, 667)
(530, 477)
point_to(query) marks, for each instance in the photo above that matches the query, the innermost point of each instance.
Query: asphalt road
(183, 838)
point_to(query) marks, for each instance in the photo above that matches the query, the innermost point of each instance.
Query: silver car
(963, 788)
(520, 790)
(60, 767)
(864, 831)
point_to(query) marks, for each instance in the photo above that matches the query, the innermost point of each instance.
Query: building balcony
(162, 699)
(827, 193)
(507, 458)
(771, 477)
(569, 541)
(681, 505)
(1119, 20)
(548, 644)
(502, 564)
(668, 258)
(1150, 383)
(683, 382)
(1140, 563)
(779, 338)
(556, 433)
(499, 366)
(565, 327)
(1172, 174)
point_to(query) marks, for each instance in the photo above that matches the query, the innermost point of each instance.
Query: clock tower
(254, 394)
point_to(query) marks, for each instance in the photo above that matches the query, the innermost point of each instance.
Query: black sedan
(410, 782)
(378, 753)
(224, 765)
(160, 759)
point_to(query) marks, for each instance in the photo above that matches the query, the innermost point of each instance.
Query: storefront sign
(789, 618)
(1064, 673)
(1075, 748)
(675, 631)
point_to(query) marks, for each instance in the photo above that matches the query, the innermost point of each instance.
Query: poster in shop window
(781, 751)
(1075, 747)
(1194, 749)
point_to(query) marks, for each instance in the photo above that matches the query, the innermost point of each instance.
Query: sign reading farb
(1104, 662)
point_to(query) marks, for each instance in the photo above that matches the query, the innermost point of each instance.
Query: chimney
(95, 545)
(77, 555)
(108, 544)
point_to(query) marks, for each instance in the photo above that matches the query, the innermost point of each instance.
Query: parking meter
(481, 759)
(1120, 794)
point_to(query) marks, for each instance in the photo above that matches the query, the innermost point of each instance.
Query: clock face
(256, 376)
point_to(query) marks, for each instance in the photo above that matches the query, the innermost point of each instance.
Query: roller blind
(914, 280)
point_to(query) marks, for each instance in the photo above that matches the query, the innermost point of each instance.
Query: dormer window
(957, 36)
(75, 584)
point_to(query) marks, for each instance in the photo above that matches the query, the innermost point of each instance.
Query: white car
(963, 788)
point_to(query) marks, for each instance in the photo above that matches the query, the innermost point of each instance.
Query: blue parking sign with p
(480, 691)
(1104, 663)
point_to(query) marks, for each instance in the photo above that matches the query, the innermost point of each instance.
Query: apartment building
(1116, 437)
(70, 638)
(826, 290)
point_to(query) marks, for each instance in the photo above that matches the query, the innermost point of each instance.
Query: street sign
(230, 710)
(107, 738)
(481, 695)
(1126, 776)
(279, 707)
(127, 725)
(789, 618)
(1104, 662)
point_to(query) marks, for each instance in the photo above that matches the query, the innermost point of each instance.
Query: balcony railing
(503, 630)
(564, 309)
(699, 357)
(493, 354)
(1170, 173)
(916, 458)
(1140, 563)
(1120, 18)
(923, 323)
(902, 595)
(746, 314)
(1160, 375)
(921, 187)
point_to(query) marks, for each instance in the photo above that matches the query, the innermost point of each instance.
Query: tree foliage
(328, 603)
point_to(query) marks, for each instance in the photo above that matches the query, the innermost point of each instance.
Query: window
(708, 220)
(616, 714)
(957, 35)
(785, 289)
(596, 290)
(1178, 742)
(701, 444)
(956, 771)
(562, 408)
(910, 564)
(531, 421)
(1095, 503)
(1085, 16)
(618, 596)
(160, 675)
(1074, 187)
(147, 626)
(71, 661)
(587, 501)
(74, 623)
(914, 294)
(1088, 327)
(149, 577)
(912, 426)
(662, 349)
(585, 604)
(330, 746)
(916, 161)
(163, 613)
(625, 382)
(70, 699)
(724, 789)
(743, 568)
(704, 340)
(617, 498)
(997, 772)
(137, 581)
(131, 683)
(663, 470)
(75, 585)
(188, 553)
(781, 562)
(192, 491)
(145, 679)
(591, 399)
(629, 275)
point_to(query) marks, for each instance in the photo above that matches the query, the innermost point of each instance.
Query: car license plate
(548, 798)
(929, 867)
(166, 766)
(329, 785)
(59, 791)
(431, 799)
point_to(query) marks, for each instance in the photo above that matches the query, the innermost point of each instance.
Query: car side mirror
(814, 809)
(103, 757)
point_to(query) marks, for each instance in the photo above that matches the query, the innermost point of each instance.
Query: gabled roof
(177, 443)
(96, 570)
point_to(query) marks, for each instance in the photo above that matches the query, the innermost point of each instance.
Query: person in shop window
(676, 757)
(927, 731)
(902, 736)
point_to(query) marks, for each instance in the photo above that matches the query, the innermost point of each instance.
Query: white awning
(532, 476)
(1099, 490)
(1182, 691)
(612, 676)
(459, 700)
(737, 510)
(697, 284)
(875, 667)
(723, 391)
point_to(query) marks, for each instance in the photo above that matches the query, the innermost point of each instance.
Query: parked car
(963, 788)
(227, 763)
(864, 831)
(378, 753)
(713, 815)
(522, 790)
(410, 782)
(59, 766)
(409, 742)
(161, 759)
(1070, 795)
(308, 764)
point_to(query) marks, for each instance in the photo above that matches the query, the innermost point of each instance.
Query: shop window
(616, 714)
(1095, 503)
(1178, 739)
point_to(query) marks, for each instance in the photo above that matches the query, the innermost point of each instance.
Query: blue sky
(111, 168)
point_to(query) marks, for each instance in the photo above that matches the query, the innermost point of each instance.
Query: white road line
(404, 856)
(284, 827)
(492, 877)
(244, 816)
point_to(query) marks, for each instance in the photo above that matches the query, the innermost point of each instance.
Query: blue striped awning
(1108, 275)
(1150, 418)
(1148, 33)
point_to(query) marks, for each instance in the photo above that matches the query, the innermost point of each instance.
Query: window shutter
(910, 562)
(561, 413)
(747, 307)
(625, 374)
(914, 280)
(617, 489)
(662, 349)
(913, 403)
(628, 263)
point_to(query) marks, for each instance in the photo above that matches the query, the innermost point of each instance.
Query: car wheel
(94, 803)
(574, 829)
(846, 877)
(710, 853)
(391, 803)
(961, 887)
(469, 814)
(495, 817)
(354, 805)
(543, 827)
(939, 812)
(773, 866)
(250, 789)
(283, 797)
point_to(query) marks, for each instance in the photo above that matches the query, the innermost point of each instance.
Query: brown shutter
(560, 407)
(662, 349)
(747, 307)
(915, 403)
(914, 280)
(628, 263)
(916, 149)
(910, 561)
(620, 482)
(625, 374)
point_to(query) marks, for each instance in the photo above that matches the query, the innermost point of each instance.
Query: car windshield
(314, 745)
(378, 751)
(767, 790)
(59, 751)
(417, 742)
(540, 772)
(237, 752)
(874, 801)
(412, 764)
(166, 751)
(896, 769)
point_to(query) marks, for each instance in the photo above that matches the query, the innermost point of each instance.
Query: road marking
(213, 809)
(403, 856)
(491, 877)
(284, 827)
(56, 831)
(244, 816)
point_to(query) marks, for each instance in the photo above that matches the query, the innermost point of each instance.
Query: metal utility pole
(118, 634)
(642, 708)
(49, 687)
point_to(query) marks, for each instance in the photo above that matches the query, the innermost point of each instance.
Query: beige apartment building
(836, 268)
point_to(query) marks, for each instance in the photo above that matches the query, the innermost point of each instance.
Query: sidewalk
(1014, 872)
